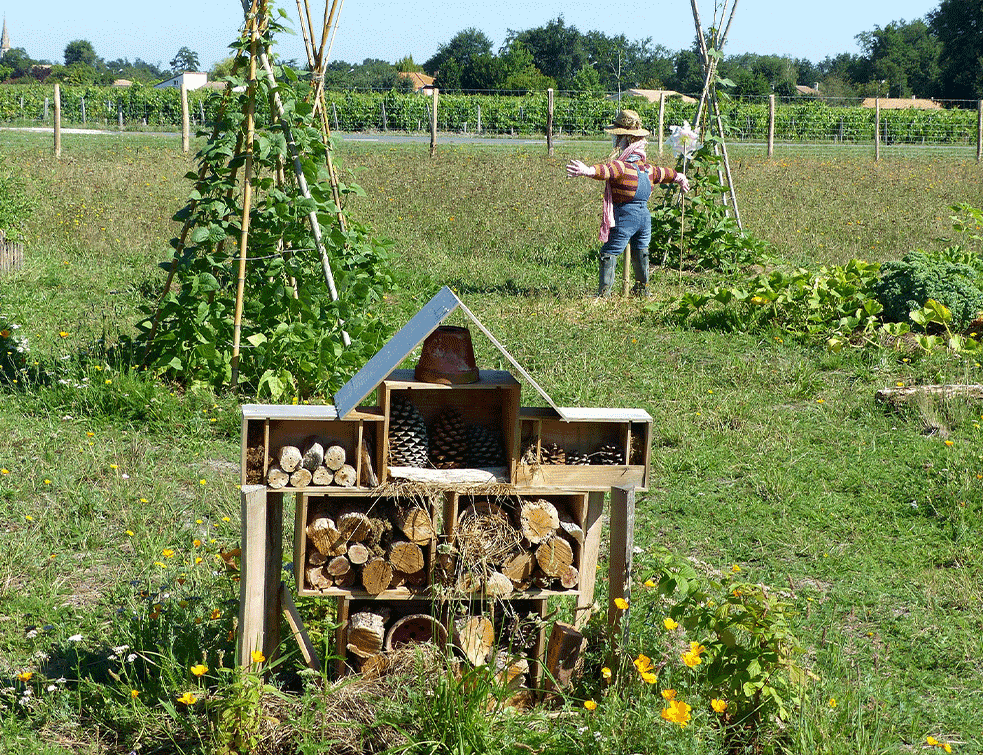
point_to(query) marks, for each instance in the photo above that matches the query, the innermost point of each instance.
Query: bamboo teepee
(238, 175)
(708, 104)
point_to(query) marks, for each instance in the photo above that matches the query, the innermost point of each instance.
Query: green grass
(767, 453)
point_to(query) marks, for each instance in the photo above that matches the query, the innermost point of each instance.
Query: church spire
(4, 39)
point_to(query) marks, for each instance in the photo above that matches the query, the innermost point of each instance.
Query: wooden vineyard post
(662, 121)
(259, 579)
(622, 524)
(549, 122)
(979, 131)
(877, 128)
(57, 120)
(771, 125)
(592, 545)
(185, 120)
(433, 123)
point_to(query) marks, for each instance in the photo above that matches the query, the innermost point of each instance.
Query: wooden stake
(247, 198)
(619, 569)
(57, 120)
(296, 625)
(185, 120)
(433, 123)
(549, 122)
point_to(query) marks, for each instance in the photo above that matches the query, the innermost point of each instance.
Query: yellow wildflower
(199, 670)
(257, 656)
(188, 698)
(621, 603)
(649, 678)
(669, 694)
(134, 693)
(25, 676)
(590, 705)
(670, 624)
(643, 663)
(719, 706)
(606, 673)
(931, 741)
(678, 712)
(167, 553)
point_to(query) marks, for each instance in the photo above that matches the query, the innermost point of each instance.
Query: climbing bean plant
(291, 332)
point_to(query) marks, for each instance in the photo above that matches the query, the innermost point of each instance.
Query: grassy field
(768, 454)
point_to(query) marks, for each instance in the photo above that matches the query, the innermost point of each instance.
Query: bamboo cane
(247, 190)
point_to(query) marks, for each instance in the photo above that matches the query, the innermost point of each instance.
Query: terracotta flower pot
(448, 357)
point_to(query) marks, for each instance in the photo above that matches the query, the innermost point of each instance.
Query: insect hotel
(447, 512)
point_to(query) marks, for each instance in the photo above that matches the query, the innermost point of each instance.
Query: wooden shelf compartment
(519, 630)
(266, 428)
(382, 508)
(492, 402)
(457, 578)
(627, 430)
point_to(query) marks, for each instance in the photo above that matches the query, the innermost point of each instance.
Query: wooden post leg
(619, 570)
(259, 580)
(341, 638)
(593, 524)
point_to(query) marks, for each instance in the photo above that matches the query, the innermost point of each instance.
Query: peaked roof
(899, 103)
(411, 335)
(420, 80)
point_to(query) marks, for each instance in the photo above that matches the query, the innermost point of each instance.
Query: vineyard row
(813, 121)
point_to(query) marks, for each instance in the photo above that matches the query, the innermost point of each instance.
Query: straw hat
(628, 122)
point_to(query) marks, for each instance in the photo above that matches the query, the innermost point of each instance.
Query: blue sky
(388, 29)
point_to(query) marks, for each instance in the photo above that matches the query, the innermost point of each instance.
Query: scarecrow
(628, 178)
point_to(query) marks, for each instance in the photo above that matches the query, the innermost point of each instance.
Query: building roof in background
(652, 95)
(891, 103)
(420, 80)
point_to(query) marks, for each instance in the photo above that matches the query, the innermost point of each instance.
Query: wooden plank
(296, 625)
(590, 551)
(563, 651)
(341, 637)
(273, 568)
(622, 538)
(252, 577)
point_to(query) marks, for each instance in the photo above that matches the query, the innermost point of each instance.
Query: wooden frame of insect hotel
(446, 513)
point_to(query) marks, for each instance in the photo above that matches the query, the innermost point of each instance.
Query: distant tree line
(940, 56)
(83, 67)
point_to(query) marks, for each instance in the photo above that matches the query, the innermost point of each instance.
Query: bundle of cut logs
(316, 462)
(500, 549)
(376, 546)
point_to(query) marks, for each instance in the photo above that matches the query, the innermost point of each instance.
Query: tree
(905, 56)
(958, 26)
(557, 50)
(80, 51)
(448, 64)
(185, 60)
(19, 62)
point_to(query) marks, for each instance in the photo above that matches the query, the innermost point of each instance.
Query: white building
(190, 79)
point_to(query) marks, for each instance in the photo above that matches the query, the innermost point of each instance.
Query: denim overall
(632, 224)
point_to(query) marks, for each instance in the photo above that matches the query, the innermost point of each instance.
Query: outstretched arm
(575, 169)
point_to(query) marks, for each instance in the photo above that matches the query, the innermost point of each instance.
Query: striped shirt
(624, 178)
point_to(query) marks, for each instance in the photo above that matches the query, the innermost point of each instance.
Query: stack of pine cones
(407, 435)
(449, 441)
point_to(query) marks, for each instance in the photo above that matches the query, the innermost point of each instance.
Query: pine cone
(577, 458)
(608, 454)
(553, 454)
(484, 447)
(448, 441)
(407, 435)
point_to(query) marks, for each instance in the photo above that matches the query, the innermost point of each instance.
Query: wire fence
(800, 121)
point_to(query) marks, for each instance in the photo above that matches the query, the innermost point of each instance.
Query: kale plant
(907, 284)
